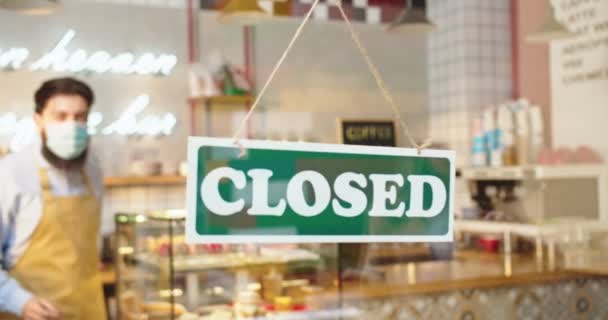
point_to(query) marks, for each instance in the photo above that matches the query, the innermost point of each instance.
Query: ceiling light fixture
(31, 7)
(243, 12)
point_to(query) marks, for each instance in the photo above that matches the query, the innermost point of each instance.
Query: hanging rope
(381, 85)
(372, 68)
(239, 131)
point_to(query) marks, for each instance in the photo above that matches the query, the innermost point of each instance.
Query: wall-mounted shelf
(535, 172)
(132, 181)
(208, 103)
(222, 99)
(488, 173)
(570, 171)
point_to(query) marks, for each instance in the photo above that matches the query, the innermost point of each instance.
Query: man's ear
(39, 121)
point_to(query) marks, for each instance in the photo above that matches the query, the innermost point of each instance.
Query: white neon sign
(13, 58)
(63, 59)
(22, 131)
(130, 123)
(151, 125)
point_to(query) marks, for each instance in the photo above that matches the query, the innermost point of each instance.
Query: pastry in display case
(160, 276)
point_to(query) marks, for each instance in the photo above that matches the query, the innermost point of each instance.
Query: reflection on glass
(161, 276)
(508, 265)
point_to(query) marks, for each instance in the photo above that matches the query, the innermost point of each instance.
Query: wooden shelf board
(144, 181)
(535, 172)
(223, 99)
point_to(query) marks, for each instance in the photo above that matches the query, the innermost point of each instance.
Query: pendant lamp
(413, 18)
(243, 12)
(550, 29)
(30, 7)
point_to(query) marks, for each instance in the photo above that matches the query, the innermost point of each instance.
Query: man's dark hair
(57, 86)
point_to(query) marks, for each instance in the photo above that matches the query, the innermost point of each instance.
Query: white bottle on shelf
(478, 145)
(491, 134)
(537, 133)
(505, 136)
(522, 132)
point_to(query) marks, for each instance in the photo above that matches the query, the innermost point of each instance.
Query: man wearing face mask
(50, 214)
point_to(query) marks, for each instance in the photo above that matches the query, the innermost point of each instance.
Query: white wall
(580, 78)
(324, 77)
(114, 28)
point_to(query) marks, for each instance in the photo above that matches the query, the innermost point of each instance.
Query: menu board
(579, 76)
(371, 132)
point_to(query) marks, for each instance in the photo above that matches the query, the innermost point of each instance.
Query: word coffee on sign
(62, 58)
(300, 192)
(367, 132)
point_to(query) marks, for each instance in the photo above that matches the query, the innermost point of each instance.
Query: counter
(468, 270)
(475, 286)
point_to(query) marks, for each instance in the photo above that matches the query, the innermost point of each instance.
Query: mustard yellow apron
(61, 262)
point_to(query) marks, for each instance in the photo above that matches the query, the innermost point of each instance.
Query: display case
(159, 276)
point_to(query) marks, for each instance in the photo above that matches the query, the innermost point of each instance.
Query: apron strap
(87, 182)
(45, 183)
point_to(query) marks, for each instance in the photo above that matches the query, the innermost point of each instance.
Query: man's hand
(40, 309)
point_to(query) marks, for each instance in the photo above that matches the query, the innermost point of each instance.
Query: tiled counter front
(585, 298)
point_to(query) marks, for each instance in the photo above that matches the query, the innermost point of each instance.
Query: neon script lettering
(63, 59)
(132, 122)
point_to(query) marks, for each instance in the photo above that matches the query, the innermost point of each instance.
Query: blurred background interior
(517, 88)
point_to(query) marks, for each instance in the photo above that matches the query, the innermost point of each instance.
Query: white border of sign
(194, 143)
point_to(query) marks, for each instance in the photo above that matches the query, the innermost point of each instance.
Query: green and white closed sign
(304, 192)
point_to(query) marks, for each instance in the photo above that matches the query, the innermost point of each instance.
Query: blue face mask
(68, 139)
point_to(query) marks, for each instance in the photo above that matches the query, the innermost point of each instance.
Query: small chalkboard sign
(370, 132)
